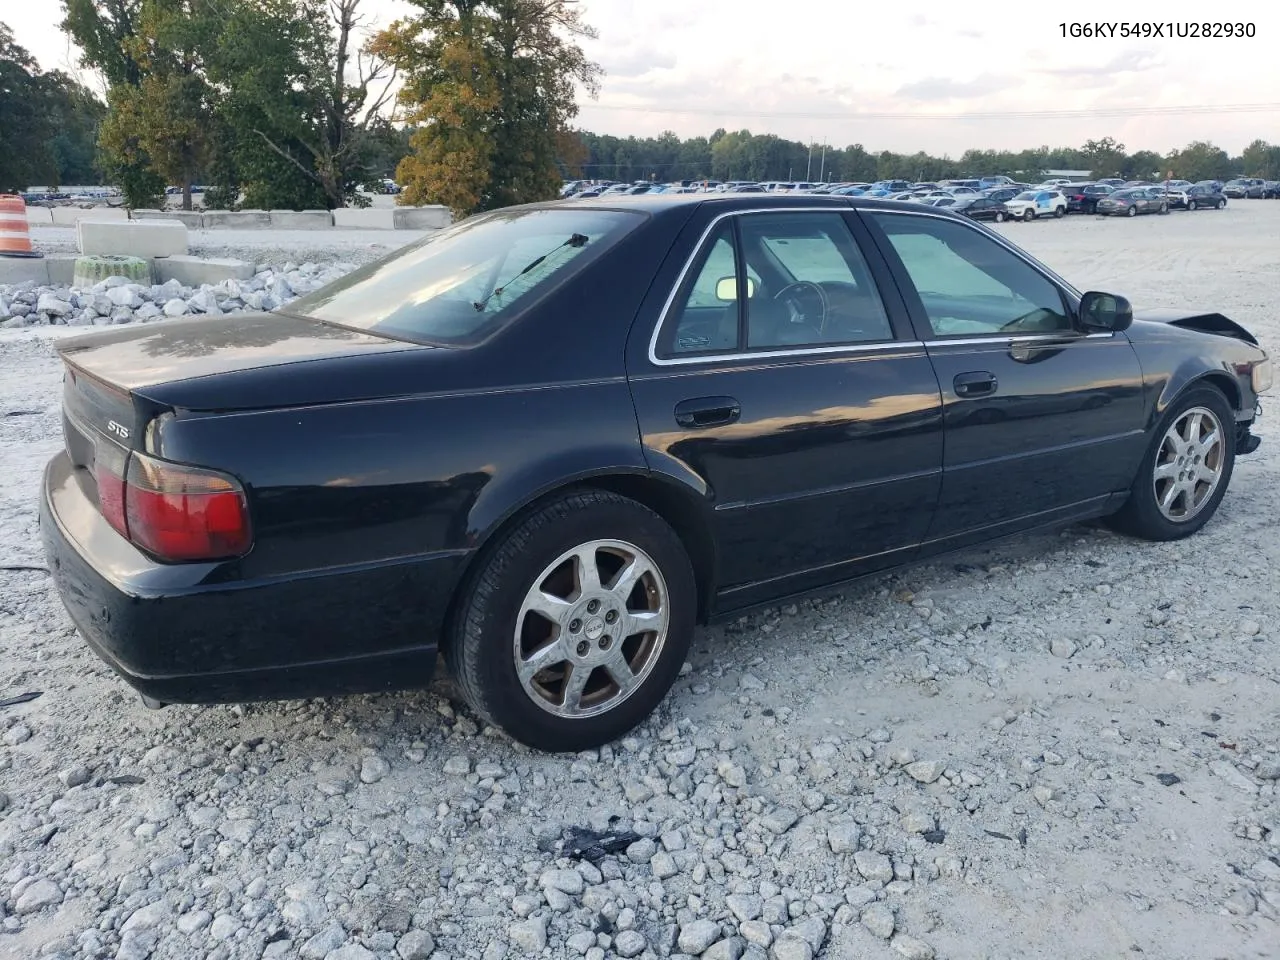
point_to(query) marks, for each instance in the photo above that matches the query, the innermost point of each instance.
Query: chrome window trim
(853, 348)
(872, 347)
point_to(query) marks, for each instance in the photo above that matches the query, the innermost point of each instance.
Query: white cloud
(818, 70)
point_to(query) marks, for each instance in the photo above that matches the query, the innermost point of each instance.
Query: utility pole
(822, 170)
(808, 167)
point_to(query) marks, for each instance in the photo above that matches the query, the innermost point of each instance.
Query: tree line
(280, 104)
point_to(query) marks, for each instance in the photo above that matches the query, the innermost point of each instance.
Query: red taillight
(184, 513)
(109, 474)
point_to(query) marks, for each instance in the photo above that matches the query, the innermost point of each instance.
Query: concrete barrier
(68, 216)
(193, 219)
(421, 218)
(62, 270)
(39, 216)
(354, 218)
(237, 220)
(192, 271)
(24, 269)
(133, 238)
(301, 220)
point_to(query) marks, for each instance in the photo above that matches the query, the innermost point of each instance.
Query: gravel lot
(1064, 746)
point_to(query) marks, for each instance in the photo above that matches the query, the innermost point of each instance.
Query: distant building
(1076, 176)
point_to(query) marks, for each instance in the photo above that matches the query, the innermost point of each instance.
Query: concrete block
(193, 271)
(192, 219)
(370, 218)
(67, 216)
(301, 220)
(62, 270)
(133, 238)
(39, 216)
(236, 220)
(422, 218)
(24, 269)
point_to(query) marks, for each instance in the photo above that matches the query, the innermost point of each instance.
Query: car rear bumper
(190, 633)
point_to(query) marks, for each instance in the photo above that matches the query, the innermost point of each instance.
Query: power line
(1082, 114)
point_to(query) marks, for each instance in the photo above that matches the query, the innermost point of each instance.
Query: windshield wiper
(576, 240)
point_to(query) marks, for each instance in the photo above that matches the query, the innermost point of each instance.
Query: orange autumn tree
(491, 86)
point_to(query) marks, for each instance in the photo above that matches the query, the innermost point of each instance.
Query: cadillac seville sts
(549, 441)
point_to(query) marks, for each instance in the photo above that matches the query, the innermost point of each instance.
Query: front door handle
(977, 384)
(707, 412)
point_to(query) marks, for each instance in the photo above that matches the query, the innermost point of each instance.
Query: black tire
(1028, 215)
(999, 217)
(478, 646)
(1221, 204)
(1140, 516)
(1133, 212)
(1059, 211)
(1191, 204)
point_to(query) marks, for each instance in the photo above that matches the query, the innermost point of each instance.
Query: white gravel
(1066, 745)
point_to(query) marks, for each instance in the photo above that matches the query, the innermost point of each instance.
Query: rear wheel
(1221, 204)
(577, 623)
(1185, 473)
(1059, 211)
(1191, 204)
(1133, 212)
(999, 217)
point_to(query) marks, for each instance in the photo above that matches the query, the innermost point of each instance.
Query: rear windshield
(463, 284)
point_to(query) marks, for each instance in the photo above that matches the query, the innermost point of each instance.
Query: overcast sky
(886, 76)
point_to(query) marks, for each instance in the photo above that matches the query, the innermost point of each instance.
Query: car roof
(667, 203)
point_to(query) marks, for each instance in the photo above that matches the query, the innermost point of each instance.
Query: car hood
(142, 355)
(1202, 322)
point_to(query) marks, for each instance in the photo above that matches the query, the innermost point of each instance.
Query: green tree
(1144, 165)
(1105, 157)
(1261, 159)
(1199, 160)
(46, 122)
(491, 86)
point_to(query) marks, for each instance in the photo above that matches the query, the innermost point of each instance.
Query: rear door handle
(977, 384)
(707, 412)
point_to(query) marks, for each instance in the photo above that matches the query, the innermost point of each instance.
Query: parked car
(1133, 201)
(1084, 197)
(1002, 194)
(1037, 203)
(1272, 190)
(318, 500)
(1257, 189)
(984, 208)
(1237, 189)
(1204, 196)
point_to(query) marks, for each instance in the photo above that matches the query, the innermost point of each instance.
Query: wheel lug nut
(575, 626)
(593, 606)
(583, 647)
(611, 616)
(605, 641)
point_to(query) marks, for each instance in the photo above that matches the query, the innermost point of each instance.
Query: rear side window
(463, 284)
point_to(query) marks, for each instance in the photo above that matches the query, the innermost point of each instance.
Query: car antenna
(576, 240)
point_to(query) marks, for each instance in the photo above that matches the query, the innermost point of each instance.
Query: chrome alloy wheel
(591, 628)
(1189, 464)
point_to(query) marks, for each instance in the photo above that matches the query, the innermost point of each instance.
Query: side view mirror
(727, 288)
(1107, 312)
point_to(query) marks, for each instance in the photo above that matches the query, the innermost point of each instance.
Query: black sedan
(1084, 197)
(1130, 203)
(550, 440)
(984, 208)
(1205, 196)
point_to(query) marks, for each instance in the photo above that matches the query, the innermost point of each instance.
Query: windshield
(461, 285)
(1026, 195)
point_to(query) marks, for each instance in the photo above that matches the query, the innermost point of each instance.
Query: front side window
(970, 285)
(461, 285)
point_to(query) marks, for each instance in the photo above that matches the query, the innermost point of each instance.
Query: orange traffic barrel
(15, 238)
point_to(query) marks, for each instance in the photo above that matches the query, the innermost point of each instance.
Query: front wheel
(999, 217)
(1221, 204)
(1029, 215)
(1185, 473)
(1191, 204)
(576, 624)
(1133, 212)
